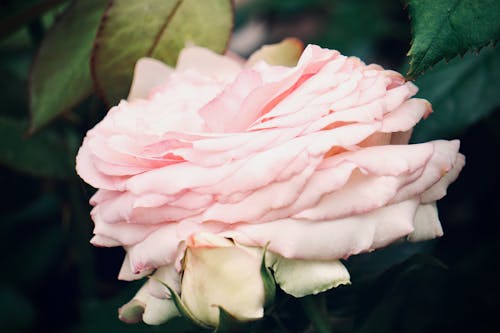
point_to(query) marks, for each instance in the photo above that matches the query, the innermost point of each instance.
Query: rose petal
(309, 277)
(427, 224)
(148, 74)
(152, 310)
(165, 275)
(209, 63)
(236, 286)
(126, 273)
(333, 239)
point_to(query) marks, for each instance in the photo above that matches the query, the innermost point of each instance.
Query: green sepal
(181, 307)
(267, 280)
(227, 323)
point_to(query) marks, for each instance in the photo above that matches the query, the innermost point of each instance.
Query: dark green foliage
(43, 155)
(60, 77)
(446, 28)
(461, 92)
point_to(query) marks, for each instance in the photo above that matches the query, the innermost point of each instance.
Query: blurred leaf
(314, 307)
(444, 29)
(17, 313)
(275, 9)
(395, 302)
(363, 28)
(16, 53)
(40, 155)
(40, 208)
(36, 254)
(369, 266)
(462, 92)
(37, 251)
(12, 94)
(155, 28)
(60, 76)
(16, 13)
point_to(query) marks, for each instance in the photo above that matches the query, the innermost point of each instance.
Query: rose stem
(315, 314)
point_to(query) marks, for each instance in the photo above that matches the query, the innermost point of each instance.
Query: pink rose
(313, 160)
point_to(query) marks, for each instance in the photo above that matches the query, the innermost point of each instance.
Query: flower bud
(220, 273)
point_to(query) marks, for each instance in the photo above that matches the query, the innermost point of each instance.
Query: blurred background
(53, 280)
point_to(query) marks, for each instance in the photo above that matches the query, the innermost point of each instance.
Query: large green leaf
(155, 28)
(445, 28)
(60, 76)
(42, 154)
(461, 92)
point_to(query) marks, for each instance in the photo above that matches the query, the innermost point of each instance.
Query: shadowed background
(53, 280)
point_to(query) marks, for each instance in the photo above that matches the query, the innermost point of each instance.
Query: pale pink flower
(313, 159)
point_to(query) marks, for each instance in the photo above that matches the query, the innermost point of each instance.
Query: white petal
(155, 311)
(159, 311)
(228, 277)
(168, 275)
(305, 277)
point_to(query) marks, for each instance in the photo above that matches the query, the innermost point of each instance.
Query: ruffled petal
(333, 239)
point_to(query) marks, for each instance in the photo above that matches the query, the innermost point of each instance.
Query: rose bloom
(207, 163)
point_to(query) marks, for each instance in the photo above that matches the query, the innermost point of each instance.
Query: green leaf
(154, 28)
(395, 300)
(227, 323)
(41, 155)
(267, 280)
(60, 77)
(317, 313)
(461, 92)
(443, 29)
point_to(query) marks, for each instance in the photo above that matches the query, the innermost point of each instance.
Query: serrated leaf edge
(411, 75)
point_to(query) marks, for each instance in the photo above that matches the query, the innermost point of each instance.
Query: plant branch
(316, 314)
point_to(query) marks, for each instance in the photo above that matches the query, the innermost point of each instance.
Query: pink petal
(206, 62)
(148, 73)
(332, 239)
